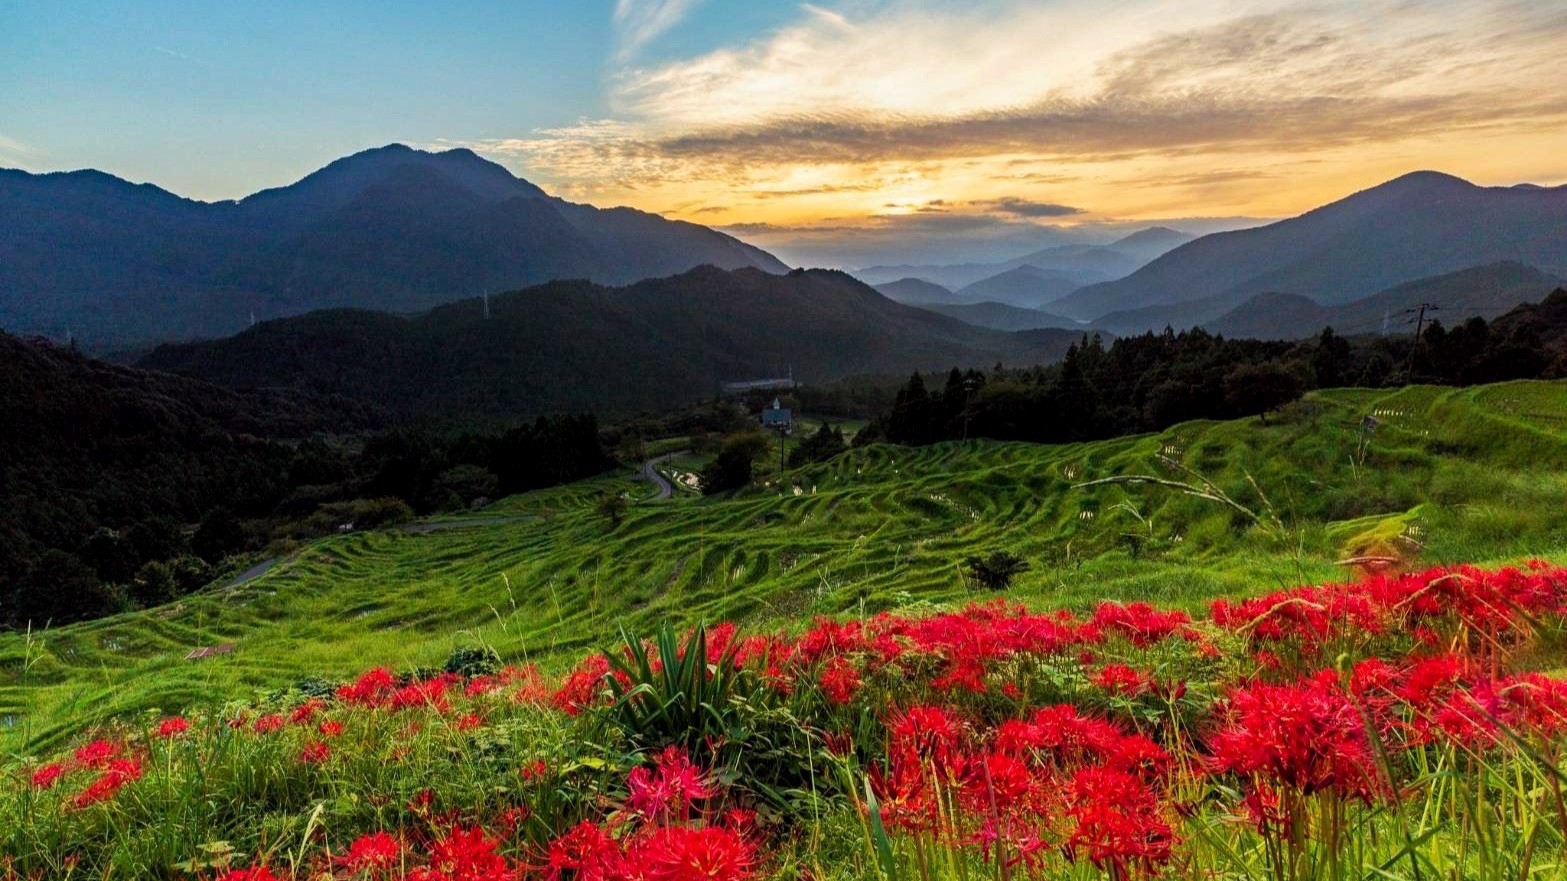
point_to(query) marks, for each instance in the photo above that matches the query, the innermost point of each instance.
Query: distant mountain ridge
(914, 291)
(1486, 291)
(1027, 287)
(392, 228)
(1003, 316)
(1417, 226)
(574, 345)
(1083, 263)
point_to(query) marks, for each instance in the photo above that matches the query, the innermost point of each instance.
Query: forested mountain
(1416, 226)
(393, 229)
(914, 291)
(1001, 316)
(581, 346)
(126, 487)
(85, 445)
(1486, 291)
(1026, 286)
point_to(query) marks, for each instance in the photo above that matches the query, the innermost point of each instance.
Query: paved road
(650, 473)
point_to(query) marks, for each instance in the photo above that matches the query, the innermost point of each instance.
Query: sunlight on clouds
(1140, 109)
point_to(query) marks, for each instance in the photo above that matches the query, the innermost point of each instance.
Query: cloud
(1026, 208)
(15, 154)
(639, 22)
(1300, 78)
(1015, 111)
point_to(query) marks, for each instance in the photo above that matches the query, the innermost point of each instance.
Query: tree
(612, 507)
(219, 535)
(732, 468)
(825, 443)
(1330, 359)
(1261, 388)
(996, 571)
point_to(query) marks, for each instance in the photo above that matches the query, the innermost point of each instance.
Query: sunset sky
(836, 133)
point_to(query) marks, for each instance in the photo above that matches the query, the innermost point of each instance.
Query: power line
(1422, 309)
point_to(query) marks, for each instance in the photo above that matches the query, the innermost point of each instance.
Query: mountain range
(1075, 262)
(392, 229)
(575, 345)
(1484, 291)
(1003, 316)
(1417, 226)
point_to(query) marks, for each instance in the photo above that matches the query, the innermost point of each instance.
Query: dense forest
(127, 487)
(1149, 382)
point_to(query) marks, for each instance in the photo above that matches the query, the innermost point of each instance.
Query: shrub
(996, 571)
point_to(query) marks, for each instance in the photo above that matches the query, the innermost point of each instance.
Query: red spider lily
(315, 753)
(1306, 735)
(668, 792)
(534, 770)
(429, 693)
(306, 712)
(330, 728)
(269, 723)
(840, 681)
(109, 782)
(528, 685)
(377, 850)
(1060, 736)
(1141, 623)
(584, 687)
(469, 855)
(371, 689)
(48, 775)
(97, 753)
(1539, 703)
(422, 803)
(1121, 679)
(905, 796)
(997, 780)
(1118, 822)
(172, 727)
(589, 852)
(925, 732)
(254, 873)
(680, 853)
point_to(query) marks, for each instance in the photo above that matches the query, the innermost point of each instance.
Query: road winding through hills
(651, 473)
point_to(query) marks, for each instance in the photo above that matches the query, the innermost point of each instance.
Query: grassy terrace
(1474, 475)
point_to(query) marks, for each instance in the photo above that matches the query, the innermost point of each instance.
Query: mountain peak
(340, 181)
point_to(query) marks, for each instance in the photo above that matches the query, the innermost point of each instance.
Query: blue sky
(835, 131)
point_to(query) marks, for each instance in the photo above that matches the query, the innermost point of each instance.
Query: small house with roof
(777, 417)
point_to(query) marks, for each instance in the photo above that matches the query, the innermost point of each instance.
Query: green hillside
(1472, 475)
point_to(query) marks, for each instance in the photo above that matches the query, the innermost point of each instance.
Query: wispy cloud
(639, 22)
(1017, 110)
(15, 154)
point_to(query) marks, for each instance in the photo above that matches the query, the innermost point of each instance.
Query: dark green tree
(1261, 388)
(996, 570)
(732, 468)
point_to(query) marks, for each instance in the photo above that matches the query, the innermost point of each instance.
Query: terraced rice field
(1475, 475)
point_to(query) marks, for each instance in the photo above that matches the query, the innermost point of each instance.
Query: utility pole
(486, 296)
(968, 399)
(1420, 322)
